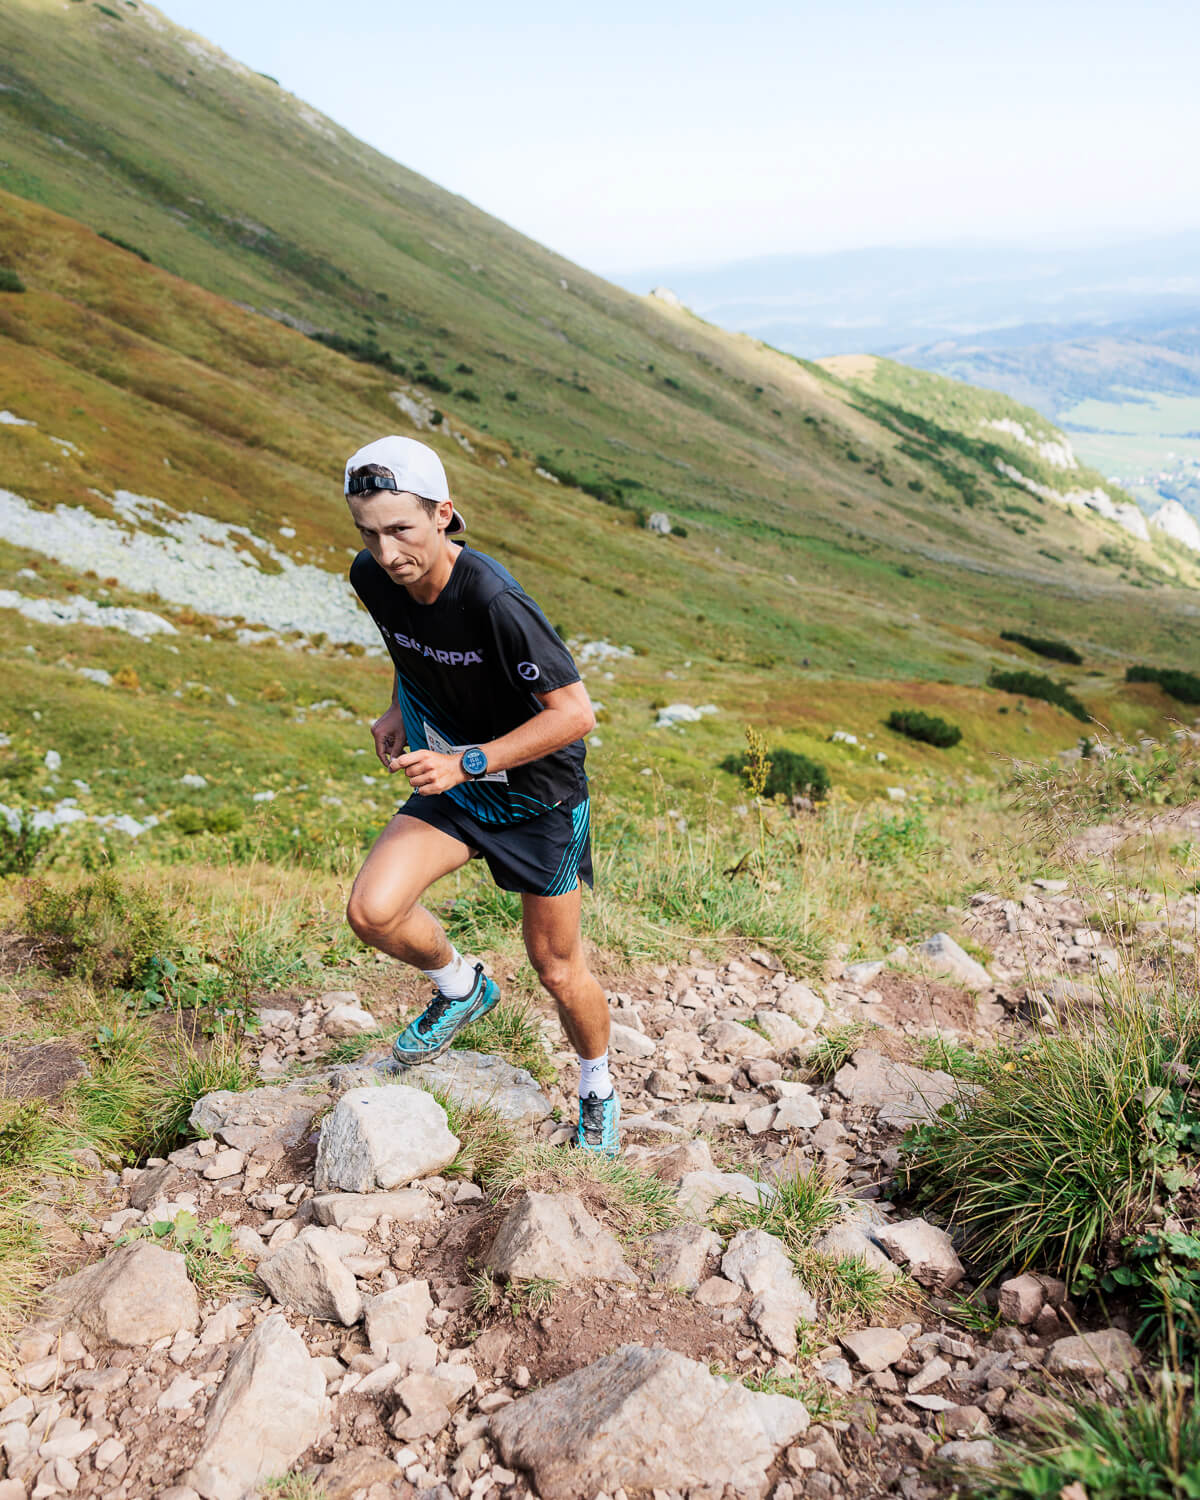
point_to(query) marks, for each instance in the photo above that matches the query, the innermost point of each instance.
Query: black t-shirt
(467, 669)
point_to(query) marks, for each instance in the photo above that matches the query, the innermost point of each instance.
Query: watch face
(474, 762)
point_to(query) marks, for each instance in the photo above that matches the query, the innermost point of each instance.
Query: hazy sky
(639, 134)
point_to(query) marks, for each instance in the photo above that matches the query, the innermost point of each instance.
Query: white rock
(398, 1315)
(875, 1348)
(349, 1020)
(140, 1293)
(270, 1407)
(308, 1276)
(926, 1250)
(802, 1003)
(626, 1042)
(552, 1236)
(381, 1138)
(646, 1419)
(757, 1261)
(698, 1191)
(941, 954)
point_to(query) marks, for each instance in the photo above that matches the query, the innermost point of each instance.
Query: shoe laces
(591, 1112)
(440, 1004)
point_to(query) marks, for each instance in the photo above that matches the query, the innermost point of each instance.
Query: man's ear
(445, 514)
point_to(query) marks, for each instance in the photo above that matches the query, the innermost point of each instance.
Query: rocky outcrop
(552, 1236)
(644, 1419)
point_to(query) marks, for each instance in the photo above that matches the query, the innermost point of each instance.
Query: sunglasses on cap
(361, 484)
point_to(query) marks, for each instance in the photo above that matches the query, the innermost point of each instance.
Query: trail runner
(487, 723)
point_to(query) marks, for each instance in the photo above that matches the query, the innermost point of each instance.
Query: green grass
(833, 1050)
(1145, 1448)
(1047, 1166)
(634, 1203)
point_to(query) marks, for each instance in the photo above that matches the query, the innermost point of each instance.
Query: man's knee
(370, 916)
(554, 971)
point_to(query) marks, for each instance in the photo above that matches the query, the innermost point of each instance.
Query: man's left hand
(429, 773)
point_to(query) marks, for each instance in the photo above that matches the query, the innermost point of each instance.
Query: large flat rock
(646, 1419)
(472, 1079)
(282, 1112)
(903, 1095)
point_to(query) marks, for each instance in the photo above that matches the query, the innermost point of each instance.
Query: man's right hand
(388, 734)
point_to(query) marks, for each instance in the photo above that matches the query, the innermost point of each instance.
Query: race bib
(442, 746)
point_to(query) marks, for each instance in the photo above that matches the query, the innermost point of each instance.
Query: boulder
(978, 1453)
(801, 1003)
(730, 1039)
(271, 1405)
(363, 1211)
(308, 1276)
(681, 1254)
(353, 1472)
(471, 1079)
(757, 1261)
(624, 1041)
(140, 1293)
(700, 1190)
(1093, 1354)
(902, 1094)
(381, 1138)
(925, 1250)
(154, 1183)
(797, 1112)
(875, 1348)
(782, 1031)
(349, 1019)
(552, 1236)
(644, 1419)
(942, 955)
(398, 1315)
(1021, 1299)
(282, 1112)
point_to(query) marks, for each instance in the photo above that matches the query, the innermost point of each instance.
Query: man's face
(402, 537)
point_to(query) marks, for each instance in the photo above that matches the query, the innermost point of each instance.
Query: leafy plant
(893, 840)
(105, 930)
(925, 727)
(213, 1265)
(23, 845)
(1036, 685)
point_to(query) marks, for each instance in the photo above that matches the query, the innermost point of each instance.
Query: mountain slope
(777, 469)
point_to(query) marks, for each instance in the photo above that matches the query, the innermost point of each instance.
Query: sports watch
(474, 763)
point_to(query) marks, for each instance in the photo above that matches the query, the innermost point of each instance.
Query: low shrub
(896, 839)
(121, 244)
(790, 774)
(105, 930)
(23, 846)
(1179, 684)
(1045, 646)
(925, 727)
(10, 281)
(1035, 685)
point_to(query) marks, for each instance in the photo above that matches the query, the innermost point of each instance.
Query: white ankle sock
(593, 1077)
(456, 980)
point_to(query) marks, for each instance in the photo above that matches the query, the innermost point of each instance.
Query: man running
(487, 723)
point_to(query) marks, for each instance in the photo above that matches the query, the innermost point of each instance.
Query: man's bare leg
(553, 940)
(385, 908)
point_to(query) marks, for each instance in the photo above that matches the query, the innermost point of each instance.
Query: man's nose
(388, 551)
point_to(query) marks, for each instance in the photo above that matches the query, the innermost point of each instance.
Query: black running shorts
(544, 856)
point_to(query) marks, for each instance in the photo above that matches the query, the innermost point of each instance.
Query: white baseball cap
(414, 468)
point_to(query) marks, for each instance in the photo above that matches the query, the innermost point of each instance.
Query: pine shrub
(925, 727)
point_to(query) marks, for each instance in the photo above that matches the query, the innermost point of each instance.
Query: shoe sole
(415, 1059)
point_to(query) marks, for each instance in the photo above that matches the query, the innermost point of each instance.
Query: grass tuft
(635, 1203)
(1146, 1449)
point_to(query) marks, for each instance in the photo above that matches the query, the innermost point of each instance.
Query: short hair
(378, 471)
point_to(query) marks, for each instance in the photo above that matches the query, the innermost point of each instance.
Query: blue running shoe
(442, 1019)
(599, 1125)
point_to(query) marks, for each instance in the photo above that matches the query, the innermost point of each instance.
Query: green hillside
(222, 178)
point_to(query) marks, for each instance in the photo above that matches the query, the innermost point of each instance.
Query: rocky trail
(402, 1328)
